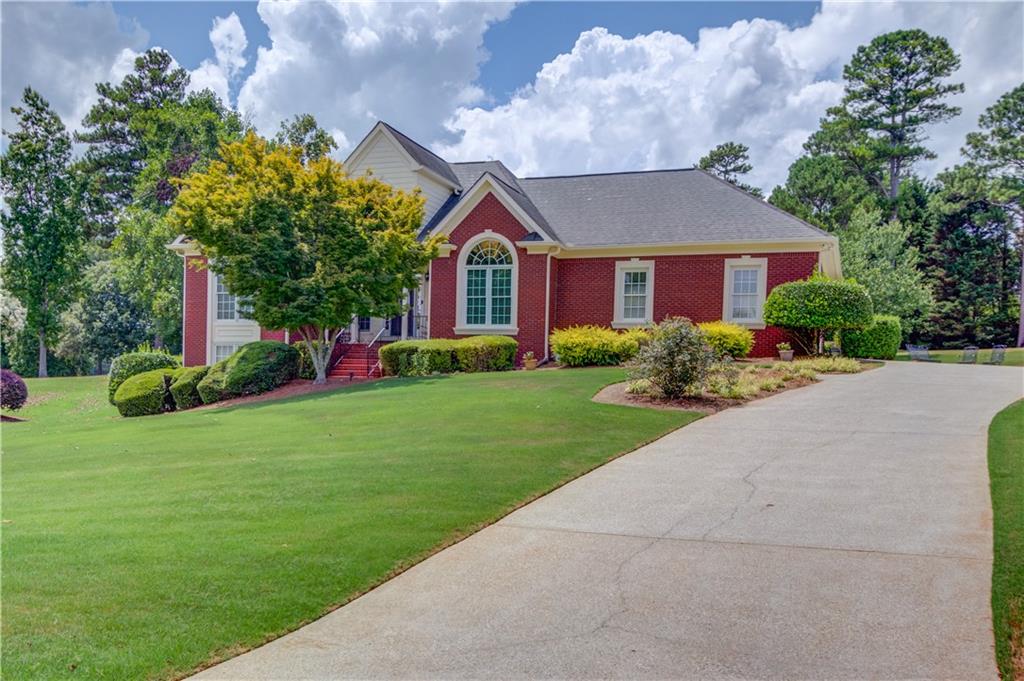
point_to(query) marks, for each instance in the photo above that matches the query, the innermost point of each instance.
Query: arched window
(488, 283)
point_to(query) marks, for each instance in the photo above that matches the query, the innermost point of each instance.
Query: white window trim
(237, 319)
(634, 265)
(461, 327)
(745, 262)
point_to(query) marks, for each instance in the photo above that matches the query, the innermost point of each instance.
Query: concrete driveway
(840, 531)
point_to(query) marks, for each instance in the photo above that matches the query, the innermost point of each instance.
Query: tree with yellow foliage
(306, 244)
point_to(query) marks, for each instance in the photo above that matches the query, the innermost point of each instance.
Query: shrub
(881, 340)
(254, 368)
(211, 386)
(430, 356)
(816, 305)
(184, 389)
(728, 339)
(13, 391)
(125, 366)
(677, 359)
(579, 346)
(486, 353)
(146, 393)
(828, 365)
(425, 357)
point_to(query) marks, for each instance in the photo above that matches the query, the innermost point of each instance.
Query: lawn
(1014, 356)
(1006, 471)
(144, 548)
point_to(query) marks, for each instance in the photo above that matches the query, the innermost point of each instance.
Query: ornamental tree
(817, 305)
(309, 246)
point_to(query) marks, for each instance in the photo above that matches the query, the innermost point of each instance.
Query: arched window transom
(489, 284)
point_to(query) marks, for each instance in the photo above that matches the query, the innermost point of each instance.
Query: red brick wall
(195, 317)
(267, 334)
(684, 285)
(491, 214)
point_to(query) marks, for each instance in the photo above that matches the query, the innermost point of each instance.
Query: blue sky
(519, 46)
(548, 88)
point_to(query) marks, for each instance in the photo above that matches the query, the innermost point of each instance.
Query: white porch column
(405, 314)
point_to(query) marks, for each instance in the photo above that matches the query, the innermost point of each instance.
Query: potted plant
(785, 352)
(529, 361)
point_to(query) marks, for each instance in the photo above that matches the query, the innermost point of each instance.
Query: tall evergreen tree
(997, 150)
(895, 87)
(821, 190)
(43, 224)
(116, 151)
(729, 161)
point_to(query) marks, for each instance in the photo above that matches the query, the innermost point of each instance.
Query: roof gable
(419, 158)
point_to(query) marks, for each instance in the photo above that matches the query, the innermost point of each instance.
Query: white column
(405, 315)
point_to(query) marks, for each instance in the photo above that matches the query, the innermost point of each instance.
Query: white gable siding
(389, 164)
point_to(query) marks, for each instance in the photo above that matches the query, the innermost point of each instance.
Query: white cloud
(62, 51)
(349, 64)
(658, 100)
(229, 42)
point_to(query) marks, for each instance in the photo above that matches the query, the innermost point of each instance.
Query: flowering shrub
(579, 346)
(13, 391)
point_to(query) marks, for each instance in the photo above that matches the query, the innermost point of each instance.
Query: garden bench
(998, 355)
(969, 355)
(919, 353)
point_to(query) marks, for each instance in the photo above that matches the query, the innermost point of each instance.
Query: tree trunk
(320, 344)
(1020, 321)
(42, 354)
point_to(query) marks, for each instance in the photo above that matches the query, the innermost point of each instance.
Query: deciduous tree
(309, 246)
(42, 224)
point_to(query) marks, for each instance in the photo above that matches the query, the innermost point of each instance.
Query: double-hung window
(745, 284)
(488, 285)
(230, 307)
(634, 293)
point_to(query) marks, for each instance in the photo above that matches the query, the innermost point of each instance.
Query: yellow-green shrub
(579, 346)
(146, 393)
(729, 339)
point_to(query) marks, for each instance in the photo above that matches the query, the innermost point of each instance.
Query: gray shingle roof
(658, 207)
(425, 157)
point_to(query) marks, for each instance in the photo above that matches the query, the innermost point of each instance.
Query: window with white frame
(745, 284)
(223, 351)
(230, 307)
(634, 293)
(488, 284)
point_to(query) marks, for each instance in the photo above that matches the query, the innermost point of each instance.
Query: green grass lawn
(1006, 470)
(1014, 356)
(142, 548)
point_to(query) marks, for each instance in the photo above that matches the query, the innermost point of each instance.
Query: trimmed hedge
(13, 391)
(881, 340)
(129, 364)
(728, 339)
(579, 346)
(443, 356)
(146, 393)
(211, 386)
(184, 389)
(819, 303)
(254, 368)
(486, 353)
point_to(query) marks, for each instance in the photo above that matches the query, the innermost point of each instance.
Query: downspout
(547, 306)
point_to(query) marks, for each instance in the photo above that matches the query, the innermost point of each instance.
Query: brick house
(523, 256)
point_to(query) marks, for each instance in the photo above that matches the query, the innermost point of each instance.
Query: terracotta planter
(529, 364)
(786, 355)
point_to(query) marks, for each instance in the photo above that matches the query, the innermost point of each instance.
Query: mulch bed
(299, 386)
(707, 403)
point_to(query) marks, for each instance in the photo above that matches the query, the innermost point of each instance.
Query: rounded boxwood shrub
(881, 340)
(146, 393)
(129, 364)
(211, 386)
(486, 353)
(728, 339)
(13, 391)
(590, 345)
(254, 368)
(184, 389)
(814, 306)
(676, 360)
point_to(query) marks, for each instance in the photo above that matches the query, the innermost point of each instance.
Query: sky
(548, 88)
